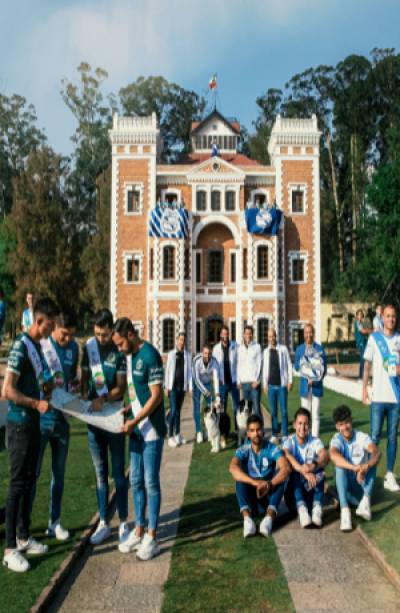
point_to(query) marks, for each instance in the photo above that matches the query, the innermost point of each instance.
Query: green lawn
(19, 592)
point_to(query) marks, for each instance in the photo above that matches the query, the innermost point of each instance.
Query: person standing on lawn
(361, 334)
(226, 354)
(178, 375)
(27, 315)
(205, 384)
(381, 359)
(25, 388)
(249, 369)
(145, 424)
(104, 380)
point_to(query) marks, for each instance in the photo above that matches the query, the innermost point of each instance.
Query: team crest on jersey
(111, 358)
(139, 364)
(68, 354)
(265, 462)
(17, 344)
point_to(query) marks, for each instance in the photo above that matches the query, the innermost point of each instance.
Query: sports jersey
(260, 465)
(355, 450)
(382, 390)
(306, 453)
(113, 363)
(68, 356)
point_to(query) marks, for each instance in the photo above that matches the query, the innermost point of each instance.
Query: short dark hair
(254, 419)
(181, 334)
(224, 327)
(46, 307)
(206, 346)
(341, 413)
(248, 327)
(103, 318)
(389, 306)
(123, 326)
(67, 319)
(304, 412)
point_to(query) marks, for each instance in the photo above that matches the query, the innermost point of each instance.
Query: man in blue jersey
(260, 470)
(61, 353)
(355, 457)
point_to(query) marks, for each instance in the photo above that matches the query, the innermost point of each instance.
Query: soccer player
(355, 457)
(249, 369)
(277, 380)
(308, 458)
(205, 383)
(226, 354)
(178, 375)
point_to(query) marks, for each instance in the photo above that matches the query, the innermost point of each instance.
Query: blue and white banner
(263, 221)
(168, 222)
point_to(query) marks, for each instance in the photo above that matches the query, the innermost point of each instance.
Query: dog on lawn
(218, 425)
(244, 412)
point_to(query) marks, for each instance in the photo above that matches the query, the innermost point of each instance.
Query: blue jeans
(231, 389)
(145, 479)
(303, 496)
(197, 395)
(99, 443)
(277, 394)
(176, 398)
(57, 434)
(378, 412)
(246, 495)
(249, 393)
(346, 483)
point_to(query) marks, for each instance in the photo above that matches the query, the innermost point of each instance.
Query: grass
(79, 505)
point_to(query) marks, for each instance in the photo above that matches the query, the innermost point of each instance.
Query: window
(298, 270)
(280, 259)
(260, 199)
(245, 263)
(262, 332)
(151, 264)
(132, 269)
(204, 142)
(225, 142)
(168, 335)
(230, 201)
(201, 200)
(231, 142)
(171, 198)
(233, 267)
(262, 262)
(297, 337)
(198, 268)
(133, 201)
(215, 200)
(169, 262)
(215, 266)
(187, 264)
(297, 201)
(233, 330)
(198, 336)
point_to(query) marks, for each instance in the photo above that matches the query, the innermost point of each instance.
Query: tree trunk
(338, 205)
(353, 147)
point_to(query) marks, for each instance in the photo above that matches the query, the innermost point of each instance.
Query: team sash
(145, 426)
(96, 367)
(36, 362)
(53, 362)
(390, 361)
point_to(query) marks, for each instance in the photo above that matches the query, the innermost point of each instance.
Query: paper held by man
(109, 418)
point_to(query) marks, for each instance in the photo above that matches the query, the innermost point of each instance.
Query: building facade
(219, 271)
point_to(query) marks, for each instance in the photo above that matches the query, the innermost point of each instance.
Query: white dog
(244, 412)
(211, 421)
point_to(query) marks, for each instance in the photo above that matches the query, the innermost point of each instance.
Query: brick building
(219, 272)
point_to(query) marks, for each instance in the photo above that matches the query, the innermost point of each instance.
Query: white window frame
(294, 325)
(136, 187)
(130, 255)
(256, 318)
(199, 252)
(298, 255)
(298, 187)
(139, 326)
(235, 253)
(216, 283)
(236, 190)
(201, 188)
(163, 317)
(172, 190)
(263, 280)
(221, 200)
(259, 192)
(175, 279)
(232, 320)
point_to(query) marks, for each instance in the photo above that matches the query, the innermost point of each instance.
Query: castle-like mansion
(182, 255)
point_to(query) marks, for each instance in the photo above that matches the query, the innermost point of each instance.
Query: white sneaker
(14, 560)
(364, 509)
(304, 516)
(55, 530)
(199, 437)
(390, 482)
(148, 548)
(316, 515)
(31, 547)
(101, 533)
(266, 526)
(180, 440)
(172, 442)
(131, 543)
(123, 531)
(345, 520)
(249, 527)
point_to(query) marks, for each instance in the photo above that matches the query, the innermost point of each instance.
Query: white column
(181, 251)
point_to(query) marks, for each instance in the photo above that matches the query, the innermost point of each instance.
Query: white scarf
(53, 362)
(96, 367)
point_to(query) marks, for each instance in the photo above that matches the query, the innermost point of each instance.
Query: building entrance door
(213, 329)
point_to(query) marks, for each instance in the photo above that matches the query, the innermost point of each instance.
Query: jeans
(246, 495)
(57, 435)
(197, 405)
(23, 448)
(378, 412)
(231, 389)
(99, 443)
(303, 496)
(249, 393)
(346, 483)
(278, 394)
(176, 398)
(145, 479)
(361, 366)
(312, 404)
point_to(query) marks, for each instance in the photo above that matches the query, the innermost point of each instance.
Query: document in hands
(109, 418)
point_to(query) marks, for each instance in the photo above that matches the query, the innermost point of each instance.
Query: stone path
(105, 579)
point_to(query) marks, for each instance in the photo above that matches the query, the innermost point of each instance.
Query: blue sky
(251, 44)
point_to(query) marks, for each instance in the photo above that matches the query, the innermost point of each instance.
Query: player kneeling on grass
(260, 470)
(308, 457)
(355, 457)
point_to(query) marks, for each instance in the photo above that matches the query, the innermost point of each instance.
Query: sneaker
(123, 531)
(172, 442)
(249, 527)
(180, 440)
(148, 548)
(390, 482)
(199, 437)
(316, 515)
(266, 526)
(131, 543)
(364, 509)
(345, 520)
(14, 560)
(101, 533)
(304, 516)
(55, 530)
(31, 547)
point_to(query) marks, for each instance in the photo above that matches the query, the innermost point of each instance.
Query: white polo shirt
(382, 390)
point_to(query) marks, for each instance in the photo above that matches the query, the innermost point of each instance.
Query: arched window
(169, 262)
(168, 335)
(215, 200)
(230, 200)
(262, 262)
(201, 200)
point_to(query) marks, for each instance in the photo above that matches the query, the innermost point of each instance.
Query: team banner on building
(168, 222)
(263, 221)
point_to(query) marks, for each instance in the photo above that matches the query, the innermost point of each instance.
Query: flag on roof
(212, 84)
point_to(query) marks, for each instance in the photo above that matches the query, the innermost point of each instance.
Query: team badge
(263, 219)
(139, 364)
(169, 223)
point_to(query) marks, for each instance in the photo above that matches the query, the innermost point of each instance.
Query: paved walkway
(107, 580)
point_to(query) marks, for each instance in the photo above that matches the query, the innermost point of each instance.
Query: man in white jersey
(382, 357)
(355, 457)
(249, 369)
(308, 458)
